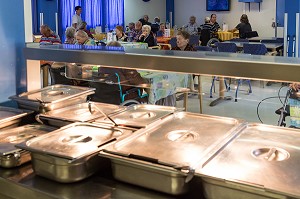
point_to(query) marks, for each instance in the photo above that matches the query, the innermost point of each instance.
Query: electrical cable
(278, 94)
(257, 108)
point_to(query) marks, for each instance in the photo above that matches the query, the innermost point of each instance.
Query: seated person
(155, 25)
(137, 31)
(243, 27)
(214, 23)
(161, 31)
(131, 26)
(82, 38)
(70, 35)
(192, 26)
(120, 34)
(182, 42)
(207, 25)
(48, 36)
(109, 90)
(145, 20)
(147, 36)
(83, 27)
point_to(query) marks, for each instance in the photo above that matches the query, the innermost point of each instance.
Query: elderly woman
(48, 36)
(83, 27)
(244, 26)
(147, 36)
(83, 38)
(120, 34)
(183, 41)
(70, 35)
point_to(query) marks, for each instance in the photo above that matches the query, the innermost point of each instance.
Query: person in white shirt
(76, 19)
(192, 26)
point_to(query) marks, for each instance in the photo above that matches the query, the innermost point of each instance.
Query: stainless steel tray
(181, 142)
(69, 154)
(263, 161)
(10, 117)
(140, 115)
(10, 156)
(52, 97)
(77, 113)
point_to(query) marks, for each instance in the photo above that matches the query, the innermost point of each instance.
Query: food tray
(167, 153)
(52, 97)
(262, 162)
(10, 117)
(77, 113)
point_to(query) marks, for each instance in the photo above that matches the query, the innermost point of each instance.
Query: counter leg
(221, 93)
(33, 70)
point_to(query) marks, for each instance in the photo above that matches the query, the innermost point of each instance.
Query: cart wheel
(129, 103)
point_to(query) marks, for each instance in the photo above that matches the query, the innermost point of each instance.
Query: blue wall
(12, 42)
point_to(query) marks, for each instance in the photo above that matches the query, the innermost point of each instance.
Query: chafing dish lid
(80, 112)
(7, 114)
(75, 140)
(55, 93)
(141, 115)
(10, 137)
(182, 139)
(262, 155)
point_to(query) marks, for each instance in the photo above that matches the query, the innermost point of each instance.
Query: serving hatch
(69, 154)
(52, 97)
(10, 156)
(140, 116)
(261, 162)
(77, 113)
(167, 154)
(10, 117)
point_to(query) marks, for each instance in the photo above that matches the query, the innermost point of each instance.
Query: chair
(231, 47)
(203, 48)
(251, 34)
(205, 36)
(255, 49)
(173, 42)
(194, 40)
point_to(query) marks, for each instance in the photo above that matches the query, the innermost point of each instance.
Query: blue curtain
(94, 12)
(113, 13)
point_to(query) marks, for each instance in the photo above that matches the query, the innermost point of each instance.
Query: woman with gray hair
(70, 35)
(147, 36)
(83, 38)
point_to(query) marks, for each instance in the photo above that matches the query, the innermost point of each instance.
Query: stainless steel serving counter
(206, 63)
(22, 183)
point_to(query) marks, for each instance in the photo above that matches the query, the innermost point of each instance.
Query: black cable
(261, 102)
(278, 94)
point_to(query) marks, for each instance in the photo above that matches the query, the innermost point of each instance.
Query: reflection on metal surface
(76, 139)
(182, 136)
(142, 115)
(271, 154)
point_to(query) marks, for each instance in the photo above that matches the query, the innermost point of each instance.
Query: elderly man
(145, 20)
(137, 31)
(83, 38)
(192, 26)
(48, 36)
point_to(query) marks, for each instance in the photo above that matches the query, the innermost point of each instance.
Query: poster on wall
(217, 5)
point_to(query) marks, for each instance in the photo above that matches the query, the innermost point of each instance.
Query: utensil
(98, 109)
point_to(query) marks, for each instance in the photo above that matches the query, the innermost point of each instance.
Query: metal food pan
(141, 115)
(70, 153)
(153, 176)
(52, 97)
(77, 113)
(10, 117)
(10, 156)
(262, 161)
(178, 144)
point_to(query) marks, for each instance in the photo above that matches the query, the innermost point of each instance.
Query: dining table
(226, 35)
(272, 47)
(260, 39)
(164, 42)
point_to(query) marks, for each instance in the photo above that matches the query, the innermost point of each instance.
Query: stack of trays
(163, 157)
(52, 97)
(70, 153)
(77, 113)
(10, 156)
(10, 117)
(262, 162)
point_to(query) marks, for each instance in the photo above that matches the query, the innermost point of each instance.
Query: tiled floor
(246, 106)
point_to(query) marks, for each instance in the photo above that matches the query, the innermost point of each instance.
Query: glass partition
(201, 82)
